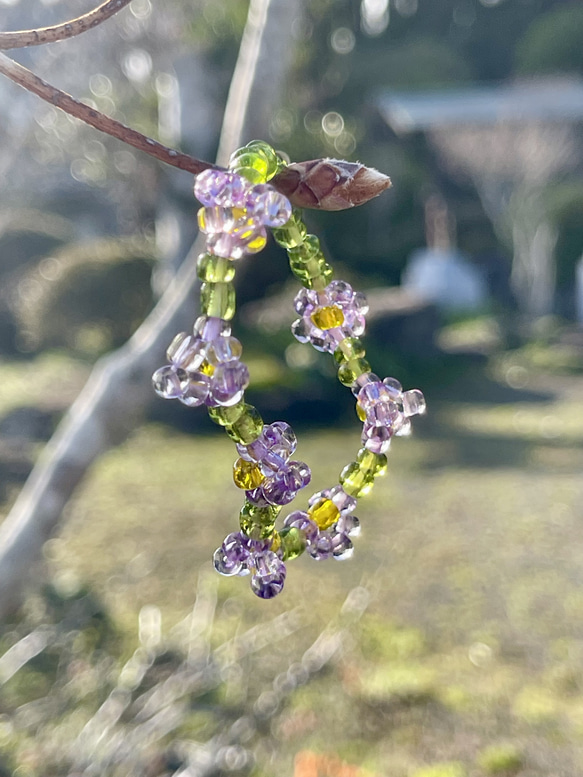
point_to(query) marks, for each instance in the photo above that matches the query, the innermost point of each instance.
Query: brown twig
(23, 38)
(32, 83)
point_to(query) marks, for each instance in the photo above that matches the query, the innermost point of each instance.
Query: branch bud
(330, 184)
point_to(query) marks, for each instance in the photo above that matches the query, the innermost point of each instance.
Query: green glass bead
(293, 233)
(309, 268)
(218, 300)
(321, 281)
(215, 269)
(349, 372)
(350, 348)
(375, 463)
(274, 162)
(247, 427)
(309, 248)
(260, 514)
(252, 164)
(254, 530)
(354, 481)
(293, 542)
(226, 416)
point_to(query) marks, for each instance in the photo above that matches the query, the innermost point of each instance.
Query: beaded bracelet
(205, 368)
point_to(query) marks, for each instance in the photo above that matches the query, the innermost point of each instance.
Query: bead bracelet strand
(205, 369)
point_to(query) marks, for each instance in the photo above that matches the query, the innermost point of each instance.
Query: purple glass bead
(280, 437)
(384, 414)
(187, 351)
(403, 429)
(272, 462)
(348, 524)
(255, 451)
(229, 381)
(197, 390)
(169, 382)
(306, 301)
(301, 330)
(277, 491)
(394, 387)
(224, 564)
(226, 349)
(208, 186)
(296, 475)
(302, 521)
(226, 245)
(413, 402)
(268, 576)
(376, 438)
(256, 497)
(323, 548)
(342, 547)
(359, 303)
(363, 380)
(209, 328)
(337, 291)
(343, 501)
(234, 193)
(270, 206)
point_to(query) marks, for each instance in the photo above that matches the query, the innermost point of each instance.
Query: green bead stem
(250, 163)
(227, 416)
(351, 370)
(293, 233)
(354, 481)
(309, 248)
(218, 300)
(293, 542)
(247, 427)
(320, 283)
(215, 269)
(310, 268)
(373, 463)
(348, 349)
(260, 514)
(256, 531)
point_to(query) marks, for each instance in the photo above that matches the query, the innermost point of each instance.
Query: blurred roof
(538, 100)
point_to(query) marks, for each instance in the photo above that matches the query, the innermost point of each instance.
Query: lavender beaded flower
(204, 368)
(385, 409)
(327, 317)
(239, 555)
(236, 212)
(267, 465)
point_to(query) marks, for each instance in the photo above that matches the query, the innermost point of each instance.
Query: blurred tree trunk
(119, 390)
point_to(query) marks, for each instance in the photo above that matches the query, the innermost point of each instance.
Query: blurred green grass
(469, 660)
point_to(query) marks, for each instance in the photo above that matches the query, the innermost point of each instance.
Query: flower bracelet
(205, 368)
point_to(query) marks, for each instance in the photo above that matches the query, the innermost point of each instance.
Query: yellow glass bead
(349, 348)
(324, 512)
(207, 368)
(215, 269)
(218, 300)
(360, 412)
(257, 244)
(275, 542)
(293, 233)
(328, 317)
(356, 482)
(226, 416)
(349, 372)
(247, 475)
(247, 427)
(368, 461)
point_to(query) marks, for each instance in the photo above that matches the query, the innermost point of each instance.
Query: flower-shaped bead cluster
(236, 212)
(327, 317)
(265, 470)
(239, 555)
(204, 368)
(331, 510)
(385, 409)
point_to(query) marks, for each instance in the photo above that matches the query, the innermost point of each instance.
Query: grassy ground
(469, 660)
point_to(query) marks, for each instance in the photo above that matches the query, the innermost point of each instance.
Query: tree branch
(32, 83)
(24, 38)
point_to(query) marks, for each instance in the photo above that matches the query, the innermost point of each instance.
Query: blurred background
(451, 645)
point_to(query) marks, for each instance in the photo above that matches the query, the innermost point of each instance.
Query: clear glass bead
(413, 402)
(169, 382)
